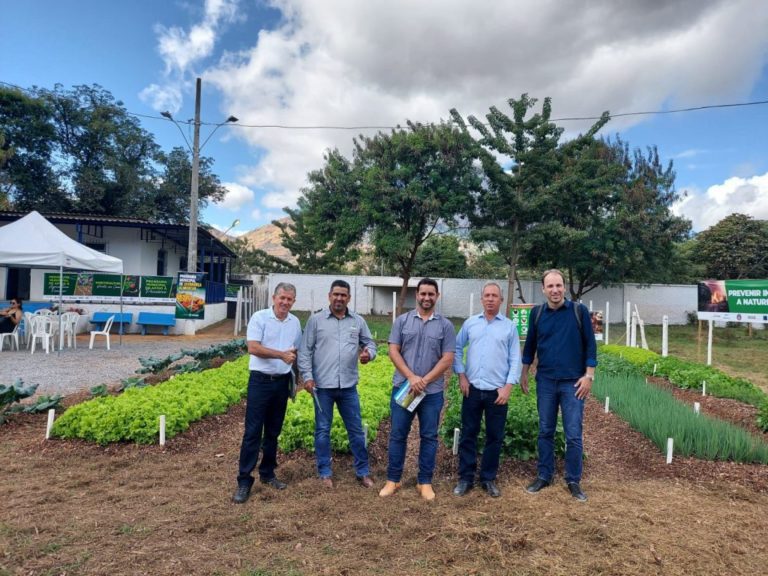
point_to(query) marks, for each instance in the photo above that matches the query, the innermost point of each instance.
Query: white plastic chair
(42, 328)
(12, 336)
(105, 332)
(69, 328)
(43, 312)
(28, 328)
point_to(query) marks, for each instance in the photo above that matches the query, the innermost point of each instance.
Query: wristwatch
(590, 376)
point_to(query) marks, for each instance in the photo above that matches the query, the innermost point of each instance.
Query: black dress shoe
(490, 487)
(462, 488)
(575, 490)
(242, 494)
(537, 485)
(275, 483)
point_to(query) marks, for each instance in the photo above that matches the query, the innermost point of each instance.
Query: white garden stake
(365, 434)
(607, 403)
(654, 369)
(456, 433)
(162, 430)
(703, 387)
(670, 443)
(696, 408)
(51, 416)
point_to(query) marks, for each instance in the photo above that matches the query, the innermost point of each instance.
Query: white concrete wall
(653, 301)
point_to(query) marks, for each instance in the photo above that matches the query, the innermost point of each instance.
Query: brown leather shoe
(365, 481)
(426, 491)
(389, 488)
(327, 482)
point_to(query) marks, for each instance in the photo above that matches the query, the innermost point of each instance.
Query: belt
(272, 376)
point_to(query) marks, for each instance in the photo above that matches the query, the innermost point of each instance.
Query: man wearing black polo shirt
(561, 337)
(273, 337)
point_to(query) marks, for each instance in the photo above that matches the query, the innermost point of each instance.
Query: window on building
(98, 246)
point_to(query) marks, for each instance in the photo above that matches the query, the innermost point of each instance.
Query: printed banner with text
(733, 300)
(190, 296)
(90, 287)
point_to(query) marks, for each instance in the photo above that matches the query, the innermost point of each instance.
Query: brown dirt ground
(73, 508)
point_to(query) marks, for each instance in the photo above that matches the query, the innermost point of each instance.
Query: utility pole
(192, 253)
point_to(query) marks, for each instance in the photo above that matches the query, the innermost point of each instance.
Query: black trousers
(264, 415)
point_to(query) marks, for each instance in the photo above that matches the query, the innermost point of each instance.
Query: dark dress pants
(264, 415)
(473, 407)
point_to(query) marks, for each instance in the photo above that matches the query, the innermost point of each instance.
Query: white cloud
(691, 153)
(236, 196)
(346, 62)
(743, 195)
(268, 215)
(166, 97)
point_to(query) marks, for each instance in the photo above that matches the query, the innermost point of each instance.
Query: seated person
(10, 317)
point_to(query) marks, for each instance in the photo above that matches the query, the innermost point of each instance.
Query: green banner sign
(90, 287)
(161, 287)
(733, 300)
(190, 296)
(520, 314)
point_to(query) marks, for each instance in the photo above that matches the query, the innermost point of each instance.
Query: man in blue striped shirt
(486, 379)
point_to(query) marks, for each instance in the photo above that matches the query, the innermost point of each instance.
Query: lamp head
(232, 119)
(166, 114)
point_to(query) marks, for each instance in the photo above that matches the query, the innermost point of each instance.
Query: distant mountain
(267, 238)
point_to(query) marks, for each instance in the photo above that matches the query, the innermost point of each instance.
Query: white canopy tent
(33, 241)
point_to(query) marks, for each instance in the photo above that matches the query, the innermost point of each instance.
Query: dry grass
(72, 508)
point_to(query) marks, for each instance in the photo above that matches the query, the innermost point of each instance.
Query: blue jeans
(428, 411)
(473, 407)
(551, 395)
(264, 414)
(348, 403)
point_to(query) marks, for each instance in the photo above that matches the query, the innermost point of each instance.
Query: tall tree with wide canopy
(734, 248)
(413, 181)
(325, 228)
(27, 176)
(520, 161)
(79, 150)
(606, 217)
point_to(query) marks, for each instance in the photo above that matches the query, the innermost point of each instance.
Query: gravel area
(75, 370)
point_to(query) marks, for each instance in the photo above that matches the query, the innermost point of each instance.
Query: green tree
(27, 175)
(326, 227)
(606, 217)
(414, 181)
(520, 160)
(441, 256)
(103, 154)
(80, 151)
(734, 248)
(170, 197)
(487, 264)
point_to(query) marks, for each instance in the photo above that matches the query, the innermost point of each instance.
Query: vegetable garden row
(194, 392)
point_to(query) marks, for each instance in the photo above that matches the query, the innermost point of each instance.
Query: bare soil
(75, 508)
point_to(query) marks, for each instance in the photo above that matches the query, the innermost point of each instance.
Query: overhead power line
(377, 127)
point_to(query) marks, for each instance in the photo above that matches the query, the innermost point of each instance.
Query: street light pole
(194, 192)
(192, 252)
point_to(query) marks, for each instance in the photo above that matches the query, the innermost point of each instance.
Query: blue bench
(100, 318)
(155, 319)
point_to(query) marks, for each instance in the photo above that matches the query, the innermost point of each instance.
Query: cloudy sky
(290, 69)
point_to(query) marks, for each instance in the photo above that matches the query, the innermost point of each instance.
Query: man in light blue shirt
(486, 380)
(334, 339)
